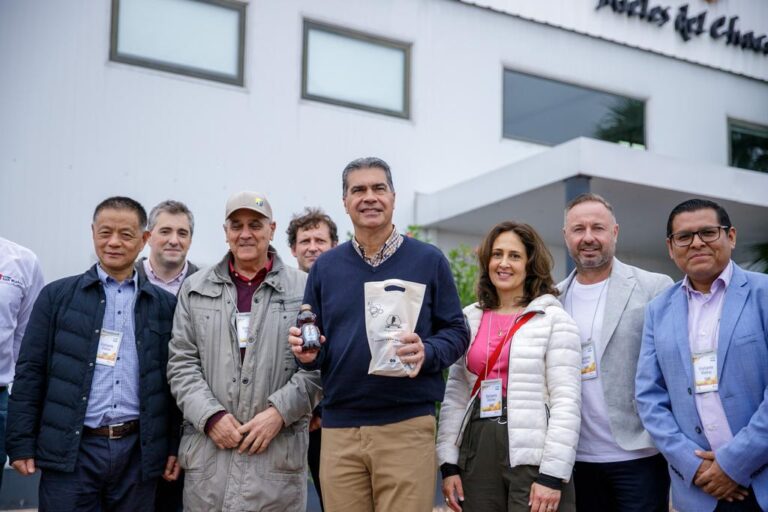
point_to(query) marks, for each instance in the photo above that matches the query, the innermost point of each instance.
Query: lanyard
(497, 353)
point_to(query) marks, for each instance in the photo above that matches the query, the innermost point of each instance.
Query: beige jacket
(206, 376)
(543, 392)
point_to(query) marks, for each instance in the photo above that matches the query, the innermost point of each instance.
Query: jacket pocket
(197, 454)
(289, 449)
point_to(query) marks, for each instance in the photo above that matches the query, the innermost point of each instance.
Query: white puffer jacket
(543, 392)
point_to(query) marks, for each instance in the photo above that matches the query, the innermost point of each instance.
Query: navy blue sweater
(335, 290)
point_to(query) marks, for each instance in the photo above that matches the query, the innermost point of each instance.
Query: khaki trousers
(382, 468)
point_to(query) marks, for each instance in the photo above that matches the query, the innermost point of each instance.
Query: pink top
(704, 311)
(493, 329)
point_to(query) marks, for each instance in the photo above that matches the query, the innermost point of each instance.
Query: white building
(471, 102)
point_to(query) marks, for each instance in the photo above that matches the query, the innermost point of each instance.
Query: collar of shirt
(720, 283)
(260, 275)
(178, 278)
(389, 248)
(108, 280)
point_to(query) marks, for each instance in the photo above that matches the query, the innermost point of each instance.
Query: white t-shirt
(586, 304)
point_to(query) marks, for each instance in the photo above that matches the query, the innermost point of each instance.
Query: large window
(749, 146)
(550, 112)
(353, 69)
(200, 38)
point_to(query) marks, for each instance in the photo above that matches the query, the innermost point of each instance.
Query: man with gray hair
(245, 402)
(617, 466)
(378, 451)
(170, 225)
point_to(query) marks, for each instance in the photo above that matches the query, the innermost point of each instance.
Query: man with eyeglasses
(702, 379)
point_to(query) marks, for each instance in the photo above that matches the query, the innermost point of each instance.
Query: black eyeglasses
(707, 235)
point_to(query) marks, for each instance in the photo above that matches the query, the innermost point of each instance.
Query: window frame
(505, 68)
(405, 47)
(746, 125)
(180, 69)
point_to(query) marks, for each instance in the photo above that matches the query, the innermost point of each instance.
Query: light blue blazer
(665, 392)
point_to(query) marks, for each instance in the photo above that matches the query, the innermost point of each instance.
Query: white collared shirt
(21, 280)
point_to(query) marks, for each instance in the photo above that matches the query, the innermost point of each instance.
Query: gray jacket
(206, 376)
(629, 290)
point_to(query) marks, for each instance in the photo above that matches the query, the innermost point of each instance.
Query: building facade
(486, 110)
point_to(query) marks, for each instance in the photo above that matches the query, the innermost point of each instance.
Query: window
(355, 70)
(749, 146)
(200, 38)
(550, 112)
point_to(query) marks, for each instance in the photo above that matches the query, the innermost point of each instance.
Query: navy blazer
(665, 397)
(46, 409)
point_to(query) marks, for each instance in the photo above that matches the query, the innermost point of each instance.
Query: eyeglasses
(707, 235)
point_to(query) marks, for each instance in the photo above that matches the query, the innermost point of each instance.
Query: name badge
(588, 362)
(243, 321)
(490, 398)
(705, 372)
(109, 345)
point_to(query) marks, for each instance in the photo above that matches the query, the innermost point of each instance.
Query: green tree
(760, 255)
(463, 262)
(624, 122)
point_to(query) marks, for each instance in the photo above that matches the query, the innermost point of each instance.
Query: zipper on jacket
(546, 409)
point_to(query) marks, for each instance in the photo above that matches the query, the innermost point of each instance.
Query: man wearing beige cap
(246, 404)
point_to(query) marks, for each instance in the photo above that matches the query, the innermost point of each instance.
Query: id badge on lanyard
(588, 362)
(490, 398)
(243, 322)
(705, 372)
(109, 346)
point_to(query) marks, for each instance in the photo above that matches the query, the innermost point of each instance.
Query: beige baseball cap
(250, 201)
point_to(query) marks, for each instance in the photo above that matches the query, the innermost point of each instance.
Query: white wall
(75, 128)
(585, 17)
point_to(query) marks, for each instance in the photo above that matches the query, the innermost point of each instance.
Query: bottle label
(311, 336)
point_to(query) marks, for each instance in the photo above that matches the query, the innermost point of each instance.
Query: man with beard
(617, 466)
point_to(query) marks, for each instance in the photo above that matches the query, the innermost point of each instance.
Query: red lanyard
(497, 353)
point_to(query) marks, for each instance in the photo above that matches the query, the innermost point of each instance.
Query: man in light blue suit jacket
(702, 377)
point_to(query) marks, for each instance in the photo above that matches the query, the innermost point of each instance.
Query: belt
(115, 431)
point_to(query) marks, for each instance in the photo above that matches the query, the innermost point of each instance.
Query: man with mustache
(245, 402)
(702, 379)
(617, 466)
